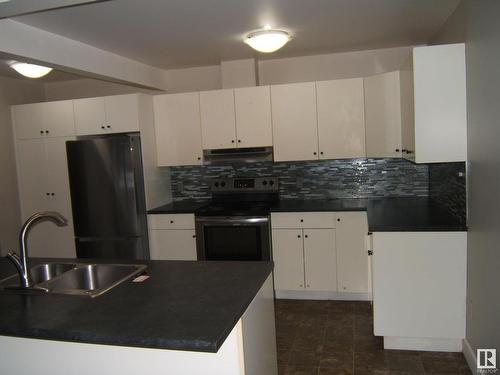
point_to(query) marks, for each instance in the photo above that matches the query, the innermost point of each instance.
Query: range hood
(237, 155)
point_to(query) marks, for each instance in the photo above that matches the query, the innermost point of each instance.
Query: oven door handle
(232, 220)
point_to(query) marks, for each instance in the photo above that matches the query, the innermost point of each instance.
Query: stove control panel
(245, 184)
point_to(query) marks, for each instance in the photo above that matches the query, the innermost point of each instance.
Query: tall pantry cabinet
(41, 131)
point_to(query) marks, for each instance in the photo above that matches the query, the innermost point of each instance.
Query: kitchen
(345, 169)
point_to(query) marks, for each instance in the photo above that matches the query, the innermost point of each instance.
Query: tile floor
(336, 338)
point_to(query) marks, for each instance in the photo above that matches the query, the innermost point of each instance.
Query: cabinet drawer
(171, 221)
(303, 220)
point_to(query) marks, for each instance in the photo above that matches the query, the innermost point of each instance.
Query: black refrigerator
(107, 197)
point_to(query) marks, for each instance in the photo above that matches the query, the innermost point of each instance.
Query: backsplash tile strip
(447, 185)
(325, 179)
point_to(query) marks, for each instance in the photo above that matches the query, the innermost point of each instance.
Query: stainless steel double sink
(85, 279)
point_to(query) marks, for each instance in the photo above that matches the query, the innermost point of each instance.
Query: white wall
(87, 88)
(478, 22)
(331, 66)
(294, 69)
(12, 91)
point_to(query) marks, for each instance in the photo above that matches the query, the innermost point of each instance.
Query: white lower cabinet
(172, 237)
(320, 255)
(352, 256)
(419, 286)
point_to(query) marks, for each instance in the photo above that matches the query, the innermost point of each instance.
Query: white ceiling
(183, 33)
(10, 8)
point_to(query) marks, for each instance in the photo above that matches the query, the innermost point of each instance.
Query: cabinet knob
(47, 193)
(46, 132)
(103, 127)
(298, 236)
(370, 252)
(199, 158)
(308, 286)
(338, 219)
(306, 236)
(301, 220)
(41, 131)
(52, 194)
(171, 221)
(397, 150)
(239, 140)
(108, 126)
(321, 153)
(301, 285)
(404, 150)
(194, 235)
(409, 151)
(315, 153)
(232, 140)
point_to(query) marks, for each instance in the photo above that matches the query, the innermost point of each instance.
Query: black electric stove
(235, 225)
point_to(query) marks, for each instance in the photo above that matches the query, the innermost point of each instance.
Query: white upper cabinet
(178, 129)
(218, 124)
(439, 97)
(110, 114)
(90, 116)
(50, 119)
(122, 113)
(253, 116)
(383, 115)
(295, 129)
(341, 119)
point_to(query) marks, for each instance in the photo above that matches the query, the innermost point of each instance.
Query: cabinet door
(218, 128)
(90, 117)
(407, 111)
(341, 119)
(32, 174)
(295, 129)
(253, 116)
(383, 115)
(122, 113)
(57, 176)
(58, 118)
(440, 103)
(352, 256)
(320, 260)
(172, 244)
(27, 121)
(288, 257)
(178, 129)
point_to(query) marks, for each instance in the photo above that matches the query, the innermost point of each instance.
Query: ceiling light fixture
(30, 70)
(267, 40)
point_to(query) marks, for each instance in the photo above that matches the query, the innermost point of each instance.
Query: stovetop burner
(241, 197)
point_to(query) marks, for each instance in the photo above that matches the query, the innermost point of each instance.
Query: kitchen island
(186, 318)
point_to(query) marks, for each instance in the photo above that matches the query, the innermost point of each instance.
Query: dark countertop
(384, 214)
(189, 306)
(180, 207)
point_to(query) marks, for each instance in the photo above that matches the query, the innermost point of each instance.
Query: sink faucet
(21, 262)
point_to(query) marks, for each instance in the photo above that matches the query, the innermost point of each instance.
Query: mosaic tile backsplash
(325, 179)
(447, 185)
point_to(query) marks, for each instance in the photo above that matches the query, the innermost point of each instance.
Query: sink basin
(93, 279)
(39, 273)
(77, 278)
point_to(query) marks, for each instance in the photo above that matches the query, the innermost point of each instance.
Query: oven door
(233, 238)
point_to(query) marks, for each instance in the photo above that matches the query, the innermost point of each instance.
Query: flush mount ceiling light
(30, 70)
(268, 40)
